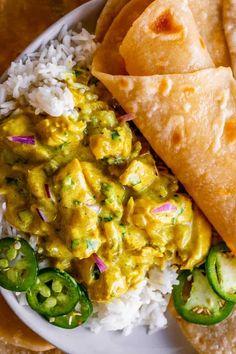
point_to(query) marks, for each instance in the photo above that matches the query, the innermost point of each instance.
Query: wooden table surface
(20, 22)
(23, 20)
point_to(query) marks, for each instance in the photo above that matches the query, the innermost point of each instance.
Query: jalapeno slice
(78, 316)
(221, 270)
(18, 264)
(196, 301)
(55, 293)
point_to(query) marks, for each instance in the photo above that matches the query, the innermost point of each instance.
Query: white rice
(145, 305)
(38, 80)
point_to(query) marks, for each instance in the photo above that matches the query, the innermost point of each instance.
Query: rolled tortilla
(190, 121)
(229, 20)
(164, 40)
(208, 17)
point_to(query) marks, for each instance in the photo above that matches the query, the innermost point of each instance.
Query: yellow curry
(86, 185)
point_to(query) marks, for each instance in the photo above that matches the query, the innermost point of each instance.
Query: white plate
(80, 340)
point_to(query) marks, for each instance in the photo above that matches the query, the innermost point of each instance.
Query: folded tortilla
(190, 121)
(107, 58)
(13, 331)
(229, 21)
(166, 38)
(109, 12)
(208, 17)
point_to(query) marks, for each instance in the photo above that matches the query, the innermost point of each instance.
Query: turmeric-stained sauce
(85, 184)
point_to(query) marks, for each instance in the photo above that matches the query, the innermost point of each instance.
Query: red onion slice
(100, 264)
(164, 207)
(96, 208)
(126, 117)
(41, 214)
(30, 140)
(47, 190)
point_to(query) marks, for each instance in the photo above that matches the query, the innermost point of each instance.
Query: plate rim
(25, 313)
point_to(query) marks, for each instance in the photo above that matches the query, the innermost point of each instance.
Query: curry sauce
(85, 184)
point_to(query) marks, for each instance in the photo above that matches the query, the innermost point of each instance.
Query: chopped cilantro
(96, 272)
(117, 160)
(62, 146)
(106, 218)
(105, 187)
(76, 202)
(74, 244)
(115, 135)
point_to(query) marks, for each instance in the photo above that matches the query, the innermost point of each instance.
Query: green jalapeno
(78, 316)
(18, 264)
(196, 301)
(221, 270)
(55, 293)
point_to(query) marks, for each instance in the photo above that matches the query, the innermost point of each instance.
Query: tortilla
(109, 12)
(229, 20)
(208, 17)
(107, 57)
(165, 40)
(217, 339)
(14, 332)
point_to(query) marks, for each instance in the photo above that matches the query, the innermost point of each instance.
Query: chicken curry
(86, 185)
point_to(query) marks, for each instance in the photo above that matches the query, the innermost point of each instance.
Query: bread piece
(109, 12)
(15, 332)
(229, 20)
(165, 40)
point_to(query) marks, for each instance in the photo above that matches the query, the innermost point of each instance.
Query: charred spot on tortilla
(124, 83)
(188, 90)
(176, 137)
(165, 86)
(166, 24)
(230, 130)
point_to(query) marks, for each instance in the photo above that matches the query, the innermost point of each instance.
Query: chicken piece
(115, 143)
(71, 186)
(138, 175)
(81, 231)
(60, 130)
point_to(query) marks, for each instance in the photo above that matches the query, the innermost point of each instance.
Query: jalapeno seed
(61, 298)
(4, 263)
(11, 254)
(12, 275)
(50, 302)
(57, 286)
(17, 245)
(44, 290)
